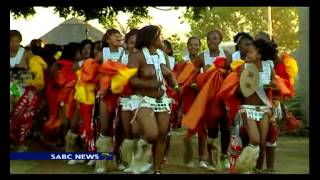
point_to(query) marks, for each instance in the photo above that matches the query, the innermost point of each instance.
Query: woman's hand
(270, 86)
(177, 89)
(194, 86)
(75, 66)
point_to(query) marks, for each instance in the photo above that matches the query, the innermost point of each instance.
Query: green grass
(294, 104)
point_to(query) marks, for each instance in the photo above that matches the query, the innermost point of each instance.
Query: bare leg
(252, 130)
(72, 135)
(163, 120)
(75, 121)
(126, 117)
(118, 141)
(270, 153)
(147, 120)
(270, 156)
(105, 119)
(136, 129)
(225, 135)
(166, 153)
(127, 141)
(209, 149)
(225, 141)
(66, 123)
(213, 147)
(103, 142)
(188, 151)
(147, 124)
(202, 143)
(248, 157)
(264, 128)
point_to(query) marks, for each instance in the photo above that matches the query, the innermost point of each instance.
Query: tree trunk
(303, 61)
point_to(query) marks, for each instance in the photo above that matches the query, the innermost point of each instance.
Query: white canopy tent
(72, 30)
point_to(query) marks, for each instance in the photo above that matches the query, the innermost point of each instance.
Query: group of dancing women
(125, 96)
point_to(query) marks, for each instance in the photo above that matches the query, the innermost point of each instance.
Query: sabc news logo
(107, 155)
(61, 156)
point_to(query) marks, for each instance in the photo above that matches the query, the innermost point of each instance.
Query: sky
(45, 20)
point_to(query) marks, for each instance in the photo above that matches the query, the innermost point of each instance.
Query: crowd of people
(125, 95)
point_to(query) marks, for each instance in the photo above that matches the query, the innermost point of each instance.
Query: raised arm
(167, 73)
(25, 59)
(199, 62)
(167, 61)
(229, 59)
(273, 79)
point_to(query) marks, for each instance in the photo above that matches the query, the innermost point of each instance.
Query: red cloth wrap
(23, 114)
(86, 129)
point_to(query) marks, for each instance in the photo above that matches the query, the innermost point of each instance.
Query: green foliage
(286, 28)
(108, 22)
(231, 20)
(204, 45)
(294, 104)
(107, 16)
(135, 20)
(179, 47)
(24, 12)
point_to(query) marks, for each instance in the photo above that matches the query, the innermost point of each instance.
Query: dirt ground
(292, 157)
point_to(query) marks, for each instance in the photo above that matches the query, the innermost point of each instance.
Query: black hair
(267, 50)
(108, 33)
(85, 42)
(35, 42)
(35, 46)
(36, 50)
(239, 37)
(15, 33)
(265, 35)
(194, 37)
(97, 43)
(271, 42)
(28, 48)
(132, 32)
(168, 44)
(48, 56)
(70, 50)
(46, 53)
(53, 48)
(146, 36)
(216, 31)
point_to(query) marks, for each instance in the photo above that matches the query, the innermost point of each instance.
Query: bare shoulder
(242, 67)
(136, 54)
(135, 58)
(199, 60)
(227, 53)
(200, 56)
(136, 50)
(228, 56)
(28, 53)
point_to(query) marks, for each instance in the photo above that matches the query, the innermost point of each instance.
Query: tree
(134, 21)
(88, 13)
(107, 16)
(24, 12)
(179, 47)
(232, 20)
